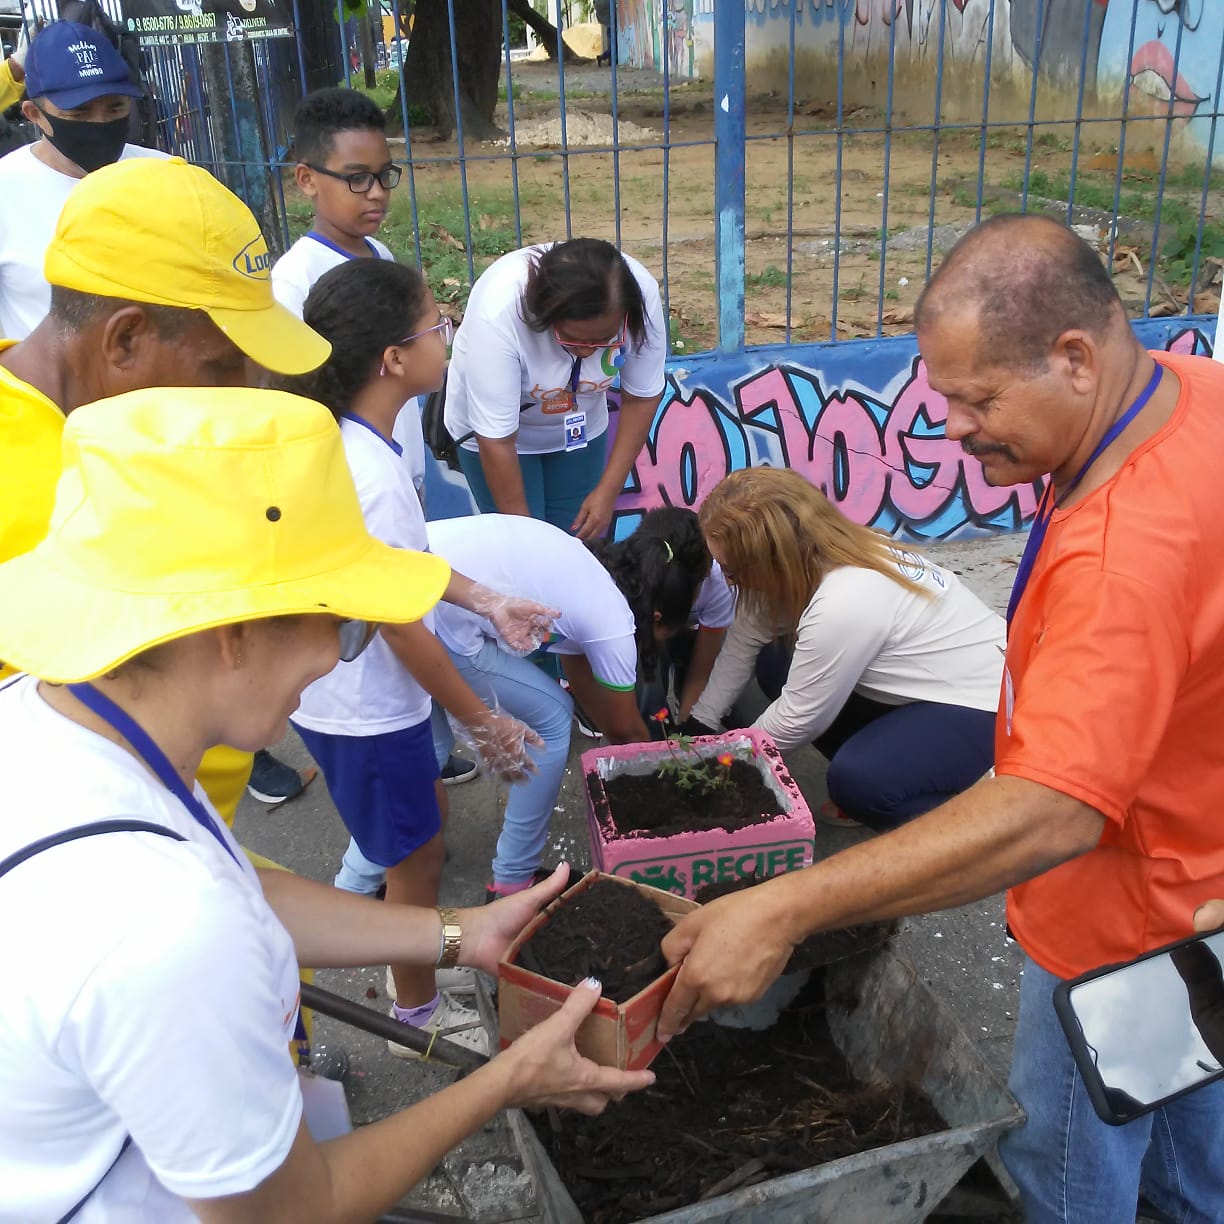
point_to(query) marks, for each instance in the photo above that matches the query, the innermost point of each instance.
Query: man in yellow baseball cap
(159, 277)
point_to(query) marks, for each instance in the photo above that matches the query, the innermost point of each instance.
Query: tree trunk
(239, 142)
(543, 29)
(369, 58)
(428, 77)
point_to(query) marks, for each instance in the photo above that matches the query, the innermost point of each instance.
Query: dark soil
(655, 805)
(608, 931)
(824, 947)
(730, 1108)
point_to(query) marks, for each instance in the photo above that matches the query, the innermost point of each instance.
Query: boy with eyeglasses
(345, 170)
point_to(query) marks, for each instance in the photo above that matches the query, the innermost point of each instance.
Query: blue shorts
(383, 788)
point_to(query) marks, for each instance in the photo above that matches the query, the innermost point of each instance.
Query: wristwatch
(452, 937)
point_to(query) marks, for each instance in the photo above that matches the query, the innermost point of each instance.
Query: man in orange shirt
(1101, 817)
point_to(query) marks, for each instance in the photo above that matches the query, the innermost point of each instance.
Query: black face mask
(88, 145)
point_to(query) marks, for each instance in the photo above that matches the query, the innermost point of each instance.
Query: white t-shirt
(498, 364)
(374, 694)
(864, 633)
(148, 990)
(714, 607)
(535, 560)
(32, 196)
(293, 276)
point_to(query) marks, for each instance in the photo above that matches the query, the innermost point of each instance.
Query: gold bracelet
(452, 937)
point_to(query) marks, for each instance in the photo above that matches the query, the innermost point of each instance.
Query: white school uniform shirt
(293, 276)
(535, 560)
(499, 363)
(714, 607)
(864, 633)
(32, 195)
(375, 694)
(148, 990)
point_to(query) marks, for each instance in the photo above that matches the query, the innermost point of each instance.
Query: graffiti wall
(1163, 56)
(858, 419)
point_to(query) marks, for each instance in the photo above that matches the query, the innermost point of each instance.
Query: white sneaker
(454, 1022)
(457, 981)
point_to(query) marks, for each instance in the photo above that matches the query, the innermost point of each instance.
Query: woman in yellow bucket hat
(206, 561)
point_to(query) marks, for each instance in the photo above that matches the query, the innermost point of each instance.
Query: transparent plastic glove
(501, 743)
(522, 624)
(18, 56)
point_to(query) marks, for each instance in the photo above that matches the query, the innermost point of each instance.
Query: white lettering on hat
(86, 59)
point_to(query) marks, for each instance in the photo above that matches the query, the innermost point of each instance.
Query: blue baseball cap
(71, 64)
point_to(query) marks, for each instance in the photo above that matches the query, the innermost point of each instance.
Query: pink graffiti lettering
(685, 459)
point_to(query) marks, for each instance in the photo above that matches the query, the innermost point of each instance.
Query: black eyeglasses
(360, 181)
(355, 636)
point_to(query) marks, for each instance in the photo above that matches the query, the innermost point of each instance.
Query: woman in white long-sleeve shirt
(885, 661)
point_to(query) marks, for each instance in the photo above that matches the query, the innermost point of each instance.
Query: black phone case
(1113, 1106)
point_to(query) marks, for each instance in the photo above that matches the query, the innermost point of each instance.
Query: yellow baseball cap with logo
(158, 230)
(181, 509)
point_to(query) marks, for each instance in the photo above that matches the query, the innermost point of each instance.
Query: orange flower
(661, 715)
(725, 759)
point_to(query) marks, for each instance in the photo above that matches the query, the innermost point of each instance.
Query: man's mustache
(978, 449)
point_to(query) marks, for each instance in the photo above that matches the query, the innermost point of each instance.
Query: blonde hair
(777, 535)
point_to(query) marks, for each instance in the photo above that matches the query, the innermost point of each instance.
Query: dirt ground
(826, 273)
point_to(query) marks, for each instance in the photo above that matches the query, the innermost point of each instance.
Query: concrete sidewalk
(962, 953)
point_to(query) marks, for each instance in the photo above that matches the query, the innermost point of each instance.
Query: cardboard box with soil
(603, 927)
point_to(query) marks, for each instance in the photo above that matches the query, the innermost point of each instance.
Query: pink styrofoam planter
(686, 862)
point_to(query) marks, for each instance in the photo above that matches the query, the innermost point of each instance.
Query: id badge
(575, 431)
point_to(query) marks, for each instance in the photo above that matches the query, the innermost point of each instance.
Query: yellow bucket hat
(158, 230)
(182, 509)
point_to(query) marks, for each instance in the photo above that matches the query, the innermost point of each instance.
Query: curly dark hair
(363, 306)
(325, 112)
(657, 569)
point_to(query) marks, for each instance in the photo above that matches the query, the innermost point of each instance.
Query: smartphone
(1149, 1030)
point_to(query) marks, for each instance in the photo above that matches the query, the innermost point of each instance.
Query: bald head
(1023, 280)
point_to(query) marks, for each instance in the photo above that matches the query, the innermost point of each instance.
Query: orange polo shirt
(1114, 692)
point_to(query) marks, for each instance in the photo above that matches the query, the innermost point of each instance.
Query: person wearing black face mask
(80, 94)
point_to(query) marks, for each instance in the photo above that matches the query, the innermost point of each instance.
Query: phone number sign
(163, 22)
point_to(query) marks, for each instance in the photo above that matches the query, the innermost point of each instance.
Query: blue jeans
(521, 689)
(555, 484)
(1075, 1169)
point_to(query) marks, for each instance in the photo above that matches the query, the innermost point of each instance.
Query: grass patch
(772, 278)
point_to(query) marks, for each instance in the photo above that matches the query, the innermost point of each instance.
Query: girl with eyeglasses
(367, 723)
(147, 1076)
(547, 331)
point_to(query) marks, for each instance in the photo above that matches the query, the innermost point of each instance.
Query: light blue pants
(520, 689)
(1071, 1167)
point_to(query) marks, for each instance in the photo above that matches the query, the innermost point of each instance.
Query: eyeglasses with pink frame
(617, 342)
(446, 326)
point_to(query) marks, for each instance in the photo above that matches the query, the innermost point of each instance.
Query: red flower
(661, 715)
(725, 759)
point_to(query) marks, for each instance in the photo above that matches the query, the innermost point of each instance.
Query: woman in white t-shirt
(148, 1077)
(547, 330)
(889, 665)
(617, 603)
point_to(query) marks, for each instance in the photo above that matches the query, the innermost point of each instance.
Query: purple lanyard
(575, 378)
(151, 754)
(1045, 509)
